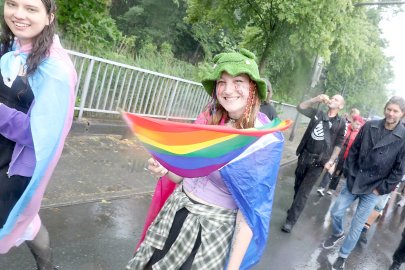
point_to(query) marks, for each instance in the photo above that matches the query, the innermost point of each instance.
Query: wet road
(101, 235)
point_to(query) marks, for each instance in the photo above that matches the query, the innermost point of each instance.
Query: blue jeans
(365, 207)
(382, 201)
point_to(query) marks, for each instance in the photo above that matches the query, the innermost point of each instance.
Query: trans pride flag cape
(51, 118)
(248, 161)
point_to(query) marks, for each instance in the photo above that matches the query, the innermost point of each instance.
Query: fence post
(85, 89)
(169, 107)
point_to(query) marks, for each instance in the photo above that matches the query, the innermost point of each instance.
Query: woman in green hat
(219, 221)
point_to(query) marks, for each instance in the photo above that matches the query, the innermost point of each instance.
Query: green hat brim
(209, 81)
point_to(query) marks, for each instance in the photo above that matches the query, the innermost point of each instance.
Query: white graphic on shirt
(318, 134)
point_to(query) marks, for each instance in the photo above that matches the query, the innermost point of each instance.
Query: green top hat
(235, 63)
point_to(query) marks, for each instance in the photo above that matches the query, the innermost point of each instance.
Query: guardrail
(106, 86)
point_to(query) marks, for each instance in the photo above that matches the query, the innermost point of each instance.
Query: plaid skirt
(216, 226)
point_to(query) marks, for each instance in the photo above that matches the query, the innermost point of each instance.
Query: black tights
(40, 248)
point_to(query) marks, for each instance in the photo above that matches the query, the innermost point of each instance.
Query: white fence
(105, 86)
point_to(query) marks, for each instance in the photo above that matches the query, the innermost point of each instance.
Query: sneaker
(395, 266)
(363, 237)
(332, 241)
(339, 264)
(320, 191)
(329, 192)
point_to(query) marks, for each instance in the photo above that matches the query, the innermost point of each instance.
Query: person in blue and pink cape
(221, 220)
(36, 110)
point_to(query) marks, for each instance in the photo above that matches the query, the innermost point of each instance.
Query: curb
(125, 195)
(86, 127)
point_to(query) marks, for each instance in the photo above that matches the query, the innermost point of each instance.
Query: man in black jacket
(374, 167)
(318, 150)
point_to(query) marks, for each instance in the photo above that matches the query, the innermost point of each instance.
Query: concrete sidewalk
(103, 161)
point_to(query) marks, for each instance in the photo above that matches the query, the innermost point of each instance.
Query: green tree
(358, 68)
(304, 26)
(119, 7)
(284, 35)
(287, 35)
(88, 26)
(159, 22)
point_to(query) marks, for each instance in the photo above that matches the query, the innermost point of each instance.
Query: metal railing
(105, 86)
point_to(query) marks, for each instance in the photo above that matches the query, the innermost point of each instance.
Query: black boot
(287, 227)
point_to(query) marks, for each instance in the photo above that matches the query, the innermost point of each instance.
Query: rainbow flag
(194, 150)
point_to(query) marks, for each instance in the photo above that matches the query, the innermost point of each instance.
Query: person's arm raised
(310, 102)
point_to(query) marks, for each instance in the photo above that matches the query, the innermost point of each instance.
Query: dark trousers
(306, 174)
(334, 178)
(399, 255)
(11, 189)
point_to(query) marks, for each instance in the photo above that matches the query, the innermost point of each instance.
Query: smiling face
(26, 18)
(233, 93)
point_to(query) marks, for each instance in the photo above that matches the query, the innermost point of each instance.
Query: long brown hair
(247, 120)
(41, 43)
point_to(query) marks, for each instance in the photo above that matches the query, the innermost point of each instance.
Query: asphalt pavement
(95, 206)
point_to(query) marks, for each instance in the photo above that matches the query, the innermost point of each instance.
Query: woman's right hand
(159, 171)
(156, 168)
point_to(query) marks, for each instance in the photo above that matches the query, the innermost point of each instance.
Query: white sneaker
(329, 192)
(321, 191)
(401, 202)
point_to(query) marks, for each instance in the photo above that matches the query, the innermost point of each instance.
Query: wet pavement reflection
(102, 235)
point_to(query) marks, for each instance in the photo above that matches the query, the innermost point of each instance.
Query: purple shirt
(15, 126)
(210, 188)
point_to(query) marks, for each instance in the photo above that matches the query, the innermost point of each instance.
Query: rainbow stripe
(193, 150)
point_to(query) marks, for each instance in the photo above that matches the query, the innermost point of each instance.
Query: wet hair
(41, 43)
(248, 118)
(398, 101)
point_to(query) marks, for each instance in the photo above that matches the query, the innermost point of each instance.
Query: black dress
(19, 97)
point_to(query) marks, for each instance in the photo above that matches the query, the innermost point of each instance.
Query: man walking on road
(373, 167)
(318, 150)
